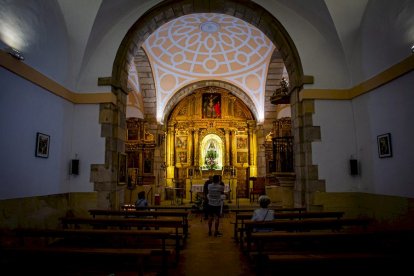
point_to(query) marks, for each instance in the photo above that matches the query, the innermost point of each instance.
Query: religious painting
(182, 157)
(148, 162)
(384, 145)
(211, 105)
(122, 168)
(242, 157)
(132, 134)
(132, 177)
(148, 137)
(42, 145)
(241, 142)
(181, 142)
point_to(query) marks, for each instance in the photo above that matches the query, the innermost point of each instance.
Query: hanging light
(15, 53)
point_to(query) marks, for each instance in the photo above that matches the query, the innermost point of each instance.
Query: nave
(202, 254)
(209, 255)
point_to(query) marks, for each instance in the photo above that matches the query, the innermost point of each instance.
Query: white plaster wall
(316, 40)
(74, 129)
(111, 26)
(385, 37)
(387, 110)
(25, 110)
(337, 145)
(38, 30)
(87, 145)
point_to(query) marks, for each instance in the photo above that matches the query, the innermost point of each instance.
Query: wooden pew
(300, 225)
(344, 248)
(276, 209)
(28, 252)
(92, 242)
(145, 213)
(246, 212)
(127, 223)
(283, 214)
(131, 207)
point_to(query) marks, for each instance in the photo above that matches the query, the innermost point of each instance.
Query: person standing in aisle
(215, 192)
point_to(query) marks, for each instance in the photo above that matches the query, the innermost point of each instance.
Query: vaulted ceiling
(208, 46)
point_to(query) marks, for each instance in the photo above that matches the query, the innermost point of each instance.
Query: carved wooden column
(170, 152)
(196, 148)
(233, 146)
(227, 156)
(252, 148)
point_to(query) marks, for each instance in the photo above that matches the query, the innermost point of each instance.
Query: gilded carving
(199, 124)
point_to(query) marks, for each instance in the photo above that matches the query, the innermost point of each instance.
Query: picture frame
(132, 134)
(148, 166)
(241, 142)
(241, 158)
(181, 142)
(211, 105)
(42, 145)
(132, 177)
(122, 168)
(384, 145)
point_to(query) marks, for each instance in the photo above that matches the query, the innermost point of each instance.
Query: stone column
(105, 176)
(304, 133)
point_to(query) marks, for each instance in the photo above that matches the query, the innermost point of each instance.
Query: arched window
(212, 152)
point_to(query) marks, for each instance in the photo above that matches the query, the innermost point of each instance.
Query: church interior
(306, 102)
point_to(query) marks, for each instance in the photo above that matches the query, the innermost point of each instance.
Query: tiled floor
(209, 255)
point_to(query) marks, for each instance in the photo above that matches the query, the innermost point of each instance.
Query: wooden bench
(299, 225)
(276, 209)
(131, 207)
(29, 252)
(128, 223)
(283, 214)
(299, 249)
(282, 241)
(91, 242)
(247, 213)
(145, 213)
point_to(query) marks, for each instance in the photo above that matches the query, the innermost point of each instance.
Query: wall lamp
(412, 48)
(16, 54)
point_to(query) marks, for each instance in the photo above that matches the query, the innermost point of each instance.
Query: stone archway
(112, 118)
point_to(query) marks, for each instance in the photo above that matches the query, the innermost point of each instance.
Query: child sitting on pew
(263, 213)
(141, 203)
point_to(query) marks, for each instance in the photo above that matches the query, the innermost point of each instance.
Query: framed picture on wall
(384, 145)
(122, 168)
(132, 177)
(42, 145)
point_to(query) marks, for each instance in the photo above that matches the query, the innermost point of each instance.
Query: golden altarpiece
(210, 132)
(139, 148)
